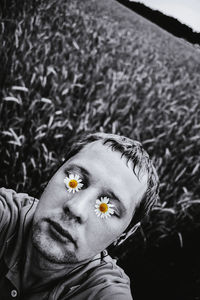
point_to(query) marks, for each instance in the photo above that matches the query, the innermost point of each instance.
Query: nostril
(72, 215)
(66, 209)
(79, 220)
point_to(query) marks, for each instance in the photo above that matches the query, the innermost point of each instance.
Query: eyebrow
(79, 168)
(113, 195)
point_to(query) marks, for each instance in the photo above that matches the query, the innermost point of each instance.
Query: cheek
(53, 194)
(104, 230)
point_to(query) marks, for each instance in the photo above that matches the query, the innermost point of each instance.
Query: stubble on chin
(49, 248)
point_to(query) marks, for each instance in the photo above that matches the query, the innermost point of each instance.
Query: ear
(124, 236)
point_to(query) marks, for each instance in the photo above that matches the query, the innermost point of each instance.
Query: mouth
(60, 232)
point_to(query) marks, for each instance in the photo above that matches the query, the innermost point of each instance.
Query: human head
(110, 166)
(133, 151)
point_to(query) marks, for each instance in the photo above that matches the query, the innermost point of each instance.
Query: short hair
(133, 151)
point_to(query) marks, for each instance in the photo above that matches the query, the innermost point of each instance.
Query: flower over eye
(103, 208)
(73, 183)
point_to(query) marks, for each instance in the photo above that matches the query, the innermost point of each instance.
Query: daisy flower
(103, 209)
(73, 183)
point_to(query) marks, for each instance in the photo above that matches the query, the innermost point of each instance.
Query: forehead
(109, 170)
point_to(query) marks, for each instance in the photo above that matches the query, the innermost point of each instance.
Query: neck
(39, 271)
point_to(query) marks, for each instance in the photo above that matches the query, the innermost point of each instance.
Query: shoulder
(105, 281)
(13, 199)
(115, 284)
(12, 205)
(110, 268)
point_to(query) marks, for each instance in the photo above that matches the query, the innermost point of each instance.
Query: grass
(81, 66)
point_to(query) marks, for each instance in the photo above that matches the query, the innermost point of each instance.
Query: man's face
(66, 228)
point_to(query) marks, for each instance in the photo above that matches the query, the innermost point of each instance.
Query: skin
(106, 173)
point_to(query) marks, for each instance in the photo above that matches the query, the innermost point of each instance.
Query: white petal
(105, 200)
(76, 177)
(97, 213)
(111, 210)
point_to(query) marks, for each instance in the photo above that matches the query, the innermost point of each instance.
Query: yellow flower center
(103, 207)
(73, 183)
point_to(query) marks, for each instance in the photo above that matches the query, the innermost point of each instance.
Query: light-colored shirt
(99, 279)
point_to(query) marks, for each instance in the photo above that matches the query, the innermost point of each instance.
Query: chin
(50, 249)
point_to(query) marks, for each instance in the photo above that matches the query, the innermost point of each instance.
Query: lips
(61, 231)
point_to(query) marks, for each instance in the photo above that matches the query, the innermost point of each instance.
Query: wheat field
(69, 67)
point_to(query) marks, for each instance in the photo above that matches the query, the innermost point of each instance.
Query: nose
(80, 205)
